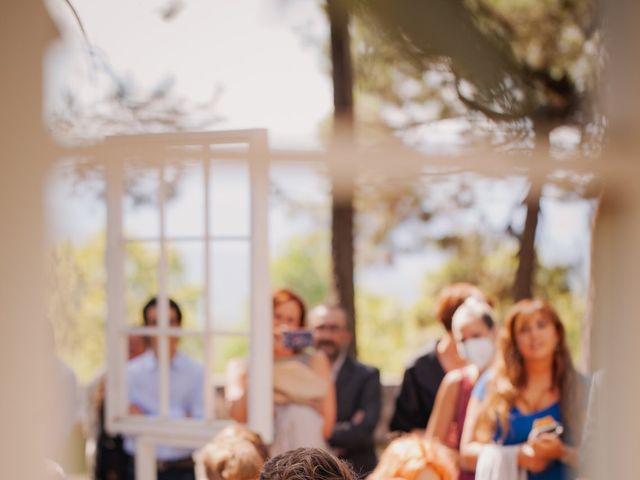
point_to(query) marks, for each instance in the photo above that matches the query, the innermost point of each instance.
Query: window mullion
(208, 393)
(116, 392)
(261, 347)
(163, 303)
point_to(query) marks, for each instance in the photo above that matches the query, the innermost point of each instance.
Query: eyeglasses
(328, 328)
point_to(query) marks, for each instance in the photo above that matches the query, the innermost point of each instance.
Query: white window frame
(191, 433)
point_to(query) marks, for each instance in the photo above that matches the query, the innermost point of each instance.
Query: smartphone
(554, 428)
(297, 339)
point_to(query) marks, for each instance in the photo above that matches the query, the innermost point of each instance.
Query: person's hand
(529, 460)
(317, 404)
(392, 435)
(279, 349)
(547, 445)
(278, 339)
(358, 417)
(135, 410)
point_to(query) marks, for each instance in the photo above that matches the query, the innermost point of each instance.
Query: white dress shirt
(337, 365)
(185, 394)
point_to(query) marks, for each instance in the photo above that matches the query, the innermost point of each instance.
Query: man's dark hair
(306, 463)
(154, 302)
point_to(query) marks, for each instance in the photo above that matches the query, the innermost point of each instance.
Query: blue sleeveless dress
(520, 424)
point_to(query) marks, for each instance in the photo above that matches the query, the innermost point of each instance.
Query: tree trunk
(523, 284)
(342, 256)
(342, 250)
(525, 275)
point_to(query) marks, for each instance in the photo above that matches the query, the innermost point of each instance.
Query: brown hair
(452, 296)
(306, 463)
(410, 455)
(236, 453)
(510, 376)
(285, 295)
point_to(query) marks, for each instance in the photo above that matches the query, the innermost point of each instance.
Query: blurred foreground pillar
(615, 451)
(616, 439)
(25, 403)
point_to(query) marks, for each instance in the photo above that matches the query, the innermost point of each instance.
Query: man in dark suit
(358, 390)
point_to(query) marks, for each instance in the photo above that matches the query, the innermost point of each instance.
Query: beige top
(295, 382)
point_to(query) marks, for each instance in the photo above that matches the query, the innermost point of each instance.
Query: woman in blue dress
(532, 398)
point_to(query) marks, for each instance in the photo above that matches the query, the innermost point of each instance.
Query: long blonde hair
(510, 376)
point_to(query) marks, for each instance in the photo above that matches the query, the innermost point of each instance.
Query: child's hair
(413, 456)
(236, 453)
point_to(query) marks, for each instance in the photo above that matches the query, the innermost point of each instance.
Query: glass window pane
(229, 369)
(142, 376)
(186, 271)
(185, 199)
(230, 289)
(186, 377)
(141, 277)
(141, 214)
(229, 212)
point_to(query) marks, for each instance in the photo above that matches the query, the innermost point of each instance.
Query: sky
(262, 56)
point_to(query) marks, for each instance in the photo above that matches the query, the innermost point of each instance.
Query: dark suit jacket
(357, 388)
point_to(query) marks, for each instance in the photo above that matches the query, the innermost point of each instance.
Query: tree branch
(78, 20)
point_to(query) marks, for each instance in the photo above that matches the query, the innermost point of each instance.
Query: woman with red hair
(304, 396)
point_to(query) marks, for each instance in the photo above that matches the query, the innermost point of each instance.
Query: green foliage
(383, 332)
(78, 305)
(304, 266)
(489, 263)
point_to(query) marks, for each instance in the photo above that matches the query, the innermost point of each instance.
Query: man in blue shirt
(185, 393)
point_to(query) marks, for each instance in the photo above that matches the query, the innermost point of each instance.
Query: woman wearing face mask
(473, 329)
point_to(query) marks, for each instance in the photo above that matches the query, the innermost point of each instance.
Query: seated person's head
(150, 316)
(306, 463)
(413, 457)
(240, 432)
(236, 453)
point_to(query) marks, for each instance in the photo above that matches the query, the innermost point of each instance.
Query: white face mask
(478, 351)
